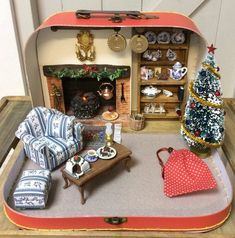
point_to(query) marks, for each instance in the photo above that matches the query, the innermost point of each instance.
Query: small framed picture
(157, 72)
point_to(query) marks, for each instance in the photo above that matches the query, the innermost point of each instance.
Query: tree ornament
(211, 49)
(217, 93)
(193, 105)
(197, 133)
(200, 89)
(203, 73)
(218, 68)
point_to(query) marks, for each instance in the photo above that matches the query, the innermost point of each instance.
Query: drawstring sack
(184, 172)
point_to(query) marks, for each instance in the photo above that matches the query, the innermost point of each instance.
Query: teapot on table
(177, 72)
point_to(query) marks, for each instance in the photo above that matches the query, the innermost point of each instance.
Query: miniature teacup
(91, 156)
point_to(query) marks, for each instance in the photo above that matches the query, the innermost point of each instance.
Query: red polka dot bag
(184, 172)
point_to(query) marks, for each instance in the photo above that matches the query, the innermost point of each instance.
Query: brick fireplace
(65, 82)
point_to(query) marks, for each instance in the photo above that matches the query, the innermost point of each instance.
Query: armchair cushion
(60, 126)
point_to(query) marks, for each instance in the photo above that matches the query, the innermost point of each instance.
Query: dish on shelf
(150, 91)
(163, 37)
(178, 38)
(167, 93)
(106, 152)
(151, 37)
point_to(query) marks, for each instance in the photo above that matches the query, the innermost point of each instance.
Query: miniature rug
(137, 193)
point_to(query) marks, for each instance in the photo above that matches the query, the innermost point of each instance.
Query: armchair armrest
(22, 129)
(78, 129)
(35, 143)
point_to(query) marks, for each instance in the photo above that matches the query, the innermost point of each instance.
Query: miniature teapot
(177, 72)
(150, 91)
(106, 91)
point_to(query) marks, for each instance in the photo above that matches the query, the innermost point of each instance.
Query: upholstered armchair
(50, 137)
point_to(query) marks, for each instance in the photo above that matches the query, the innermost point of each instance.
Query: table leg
(127, 163)
(81, 189)
(66, 181)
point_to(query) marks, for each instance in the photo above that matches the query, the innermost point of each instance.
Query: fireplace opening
(85, 85)
(79, 92)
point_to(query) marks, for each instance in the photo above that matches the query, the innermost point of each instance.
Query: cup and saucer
(91, 156)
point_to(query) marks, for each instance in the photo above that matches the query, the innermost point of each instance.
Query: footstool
(32, 189)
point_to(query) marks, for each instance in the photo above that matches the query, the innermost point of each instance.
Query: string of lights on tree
(203, 122)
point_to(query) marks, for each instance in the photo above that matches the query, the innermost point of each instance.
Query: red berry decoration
(197, 133)
(217, 93)
(110, 109)
(178, 112)
(193, 105)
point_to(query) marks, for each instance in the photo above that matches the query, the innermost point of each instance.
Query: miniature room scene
(124, 129)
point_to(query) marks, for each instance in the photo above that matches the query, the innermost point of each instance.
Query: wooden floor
(7, 229)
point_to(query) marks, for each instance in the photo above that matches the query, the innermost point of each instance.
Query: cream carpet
(138, 193)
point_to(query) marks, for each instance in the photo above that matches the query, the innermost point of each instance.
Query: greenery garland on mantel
(87, 71)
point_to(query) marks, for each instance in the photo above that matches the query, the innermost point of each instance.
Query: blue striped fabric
(32, 189)
(50, 137)
(60, 126)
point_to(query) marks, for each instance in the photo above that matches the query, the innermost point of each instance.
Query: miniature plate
(151, 37)
(106, 155)
(110, 116)
(178, 38)
(163, 37)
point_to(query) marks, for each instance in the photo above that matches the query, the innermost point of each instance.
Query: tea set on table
(79, 165)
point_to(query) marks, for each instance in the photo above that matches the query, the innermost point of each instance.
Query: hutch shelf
(158, 77)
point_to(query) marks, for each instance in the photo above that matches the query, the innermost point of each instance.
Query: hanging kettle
(106, 91)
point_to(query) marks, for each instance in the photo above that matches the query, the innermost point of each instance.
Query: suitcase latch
(115, 220)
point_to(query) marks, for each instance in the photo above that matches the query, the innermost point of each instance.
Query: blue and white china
(151, 37)
(171, 55)
(178, 37)
(150, 91)
(163, 37)
(91, 156)
(177, 72)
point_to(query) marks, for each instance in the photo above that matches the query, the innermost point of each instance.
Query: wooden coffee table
(98, 167)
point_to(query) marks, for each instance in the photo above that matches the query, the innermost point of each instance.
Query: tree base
(201, 152)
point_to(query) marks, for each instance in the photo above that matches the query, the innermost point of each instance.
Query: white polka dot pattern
(184, 172)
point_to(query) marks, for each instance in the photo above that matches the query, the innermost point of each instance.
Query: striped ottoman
(32, 189)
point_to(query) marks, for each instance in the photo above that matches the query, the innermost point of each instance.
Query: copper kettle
(106, 91)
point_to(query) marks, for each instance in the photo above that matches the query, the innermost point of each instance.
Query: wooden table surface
(7, 229)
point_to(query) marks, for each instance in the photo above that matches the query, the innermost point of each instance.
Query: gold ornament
(85, 49)
(211, 69)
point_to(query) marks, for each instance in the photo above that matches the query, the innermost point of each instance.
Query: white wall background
(11, 82)
(214, 18)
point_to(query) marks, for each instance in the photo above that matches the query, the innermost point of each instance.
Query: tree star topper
(211, 49)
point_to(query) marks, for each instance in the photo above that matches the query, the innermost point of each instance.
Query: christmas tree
(203, 123)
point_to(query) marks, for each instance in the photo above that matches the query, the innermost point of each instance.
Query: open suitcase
(45, 49)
